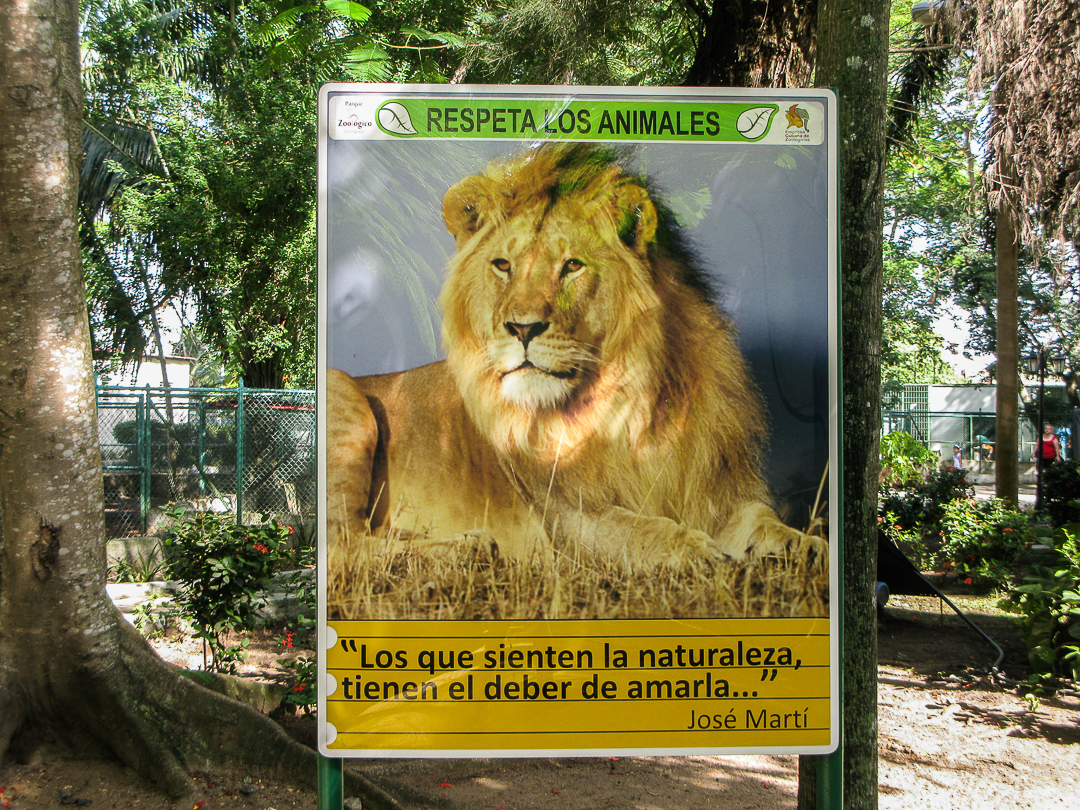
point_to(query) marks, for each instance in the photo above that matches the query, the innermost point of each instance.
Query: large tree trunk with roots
(73, 674)
(853, 41)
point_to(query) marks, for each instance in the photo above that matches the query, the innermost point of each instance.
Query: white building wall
(148, 372)
(963, 398)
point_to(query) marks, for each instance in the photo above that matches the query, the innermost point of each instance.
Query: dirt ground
(949, 737)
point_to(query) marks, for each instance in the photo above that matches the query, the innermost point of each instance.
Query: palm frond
(348, 10)
(114, 154)
(368, 63)
(282, 26)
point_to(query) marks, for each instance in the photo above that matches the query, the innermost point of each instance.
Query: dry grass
(370, 581)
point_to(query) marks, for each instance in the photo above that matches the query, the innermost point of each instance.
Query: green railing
(249, 451)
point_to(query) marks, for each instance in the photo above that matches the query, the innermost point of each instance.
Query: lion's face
(550, 290)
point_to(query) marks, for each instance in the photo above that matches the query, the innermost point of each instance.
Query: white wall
(963, 398)
(149, 373)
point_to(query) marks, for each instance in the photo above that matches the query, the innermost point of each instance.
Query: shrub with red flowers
(302, 693)
(301, 587)
(983, 540)
(911, 517)
(222, 568)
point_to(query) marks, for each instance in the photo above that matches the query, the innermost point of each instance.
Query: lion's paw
(756, 531)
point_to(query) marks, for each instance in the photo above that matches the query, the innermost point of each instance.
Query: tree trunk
(853, 40)
(754, 44)
(73, 674)
(1006, 439)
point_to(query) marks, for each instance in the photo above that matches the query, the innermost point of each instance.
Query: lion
(593, 401)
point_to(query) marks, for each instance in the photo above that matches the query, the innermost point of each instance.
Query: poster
(577, 386)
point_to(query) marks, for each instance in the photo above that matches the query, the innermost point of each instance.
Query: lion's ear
(465, 205)
(636, 215)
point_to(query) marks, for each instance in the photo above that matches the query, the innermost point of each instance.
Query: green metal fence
(974, 432)
(242, 450)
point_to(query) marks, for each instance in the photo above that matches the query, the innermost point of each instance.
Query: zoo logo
(798, 117)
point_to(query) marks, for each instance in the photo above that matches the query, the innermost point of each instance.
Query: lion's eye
(571, 267)
(501, 265)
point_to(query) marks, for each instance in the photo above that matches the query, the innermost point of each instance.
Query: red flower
(967, 581)
(445, 784)
(261, 548)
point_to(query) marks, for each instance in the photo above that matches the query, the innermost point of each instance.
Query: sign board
(577, 379)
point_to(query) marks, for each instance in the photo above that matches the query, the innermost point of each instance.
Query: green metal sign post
(330, 781)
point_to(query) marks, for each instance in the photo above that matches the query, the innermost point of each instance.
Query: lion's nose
(526, 331)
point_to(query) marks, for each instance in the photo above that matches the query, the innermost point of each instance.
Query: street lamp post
(1037, 364)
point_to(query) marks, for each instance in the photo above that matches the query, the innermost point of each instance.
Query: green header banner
(368, 117)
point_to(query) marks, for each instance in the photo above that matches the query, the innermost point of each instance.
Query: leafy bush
(1061, 491)
(222, 567)
(912, 518)
(302, 587)
(145, 567)
(1048, 602)
(302, 693)
(904, 461)
(983, 540)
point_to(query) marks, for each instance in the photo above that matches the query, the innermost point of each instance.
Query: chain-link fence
(241, 450)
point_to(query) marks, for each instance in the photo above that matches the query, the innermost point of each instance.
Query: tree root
(119, 695)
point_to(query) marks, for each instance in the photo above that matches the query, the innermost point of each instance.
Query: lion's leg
(635, 541)
(642, 542)
(352, 443)
(755, 530)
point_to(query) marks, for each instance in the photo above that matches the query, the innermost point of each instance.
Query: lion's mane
(663, 418)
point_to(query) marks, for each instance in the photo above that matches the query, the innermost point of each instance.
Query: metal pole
(331, 795)
(240, 452)
(145, 457)
(202, 445)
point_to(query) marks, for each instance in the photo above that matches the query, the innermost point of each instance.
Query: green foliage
(145, 567)
(153, 617)
(303, 693)
(1048, 603)
(923, 505)
(1061, 491)
(207, 186)
(222, 568)
(912, 518)
(911, 349)
(905, 461)
(346, 40)
(983, 540)
(301, 586)
(580, 42)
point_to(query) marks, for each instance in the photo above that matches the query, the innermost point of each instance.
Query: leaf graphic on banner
(753, 123)
(395, 118)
